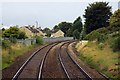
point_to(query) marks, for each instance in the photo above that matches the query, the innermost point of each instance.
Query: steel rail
(79, 67)
(61, 62)
(26, 62)
(43, 61)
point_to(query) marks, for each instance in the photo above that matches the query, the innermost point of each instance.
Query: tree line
(97, 15)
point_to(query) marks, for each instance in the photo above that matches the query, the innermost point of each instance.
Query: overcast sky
(46, 13)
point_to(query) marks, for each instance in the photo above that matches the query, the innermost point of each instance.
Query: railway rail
(70, 67)
(21, 69)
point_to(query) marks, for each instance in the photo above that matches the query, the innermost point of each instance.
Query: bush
(116, 44)
(100, 35)
(92, 36)
(101, 38)
(13, 39)
(5, 44)
(39, 40)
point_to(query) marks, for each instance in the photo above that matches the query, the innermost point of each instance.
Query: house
(28, 33)
(31, 31)
(58, 33)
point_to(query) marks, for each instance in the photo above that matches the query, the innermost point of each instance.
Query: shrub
(39, 40)
(13, 39)
(100, 35)
(101, 38)
(5, 44)
(116, 44)
(92, 36)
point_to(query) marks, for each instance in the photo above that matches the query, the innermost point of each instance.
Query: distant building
(28, 33)
(58, 33)
(31, 31)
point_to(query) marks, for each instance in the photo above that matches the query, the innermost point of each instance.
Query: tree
(65, 26)
(69, 33)
(22, 35)
(56, 27)
(76, 34)
(11, 32)
(77, 24)
(3, 29)
(14, 32)
(47, 31)
(97, 15)
(115, 19)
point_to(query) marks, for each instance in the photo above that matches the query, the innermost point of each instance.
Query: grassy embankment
(101, 52)
(11, 51)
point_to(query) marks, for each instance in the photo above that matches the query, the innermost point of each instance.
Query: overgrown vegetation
(39, 40)
(103, 49)
(9, 55)
(13, 32)
(6, 44)
(116, 44)
(103, 60)
(11, 49)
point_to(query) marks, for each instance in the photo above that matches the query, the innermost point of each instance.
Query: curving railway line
(51, 61)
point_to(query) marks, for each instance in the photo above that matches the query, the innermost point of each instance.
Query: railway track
(52, 68)
(35, 60)
(34, 63)
(34, 66)
(71, 68)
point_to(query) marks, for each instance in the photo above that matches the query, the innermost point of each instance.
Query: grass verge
(100, 57)
(9, 55)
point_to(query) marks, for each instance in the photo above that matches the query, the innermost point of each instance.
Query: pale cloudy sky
(47, 13)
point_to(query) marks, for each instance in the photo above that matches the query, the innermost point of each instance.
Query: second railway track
(72, 69)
